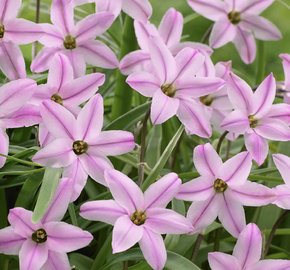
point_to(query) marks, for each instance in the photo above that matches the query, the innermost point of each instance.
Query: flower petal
(271, 264)
(9, 9)
(106, 211)
(125, 191)
(286, 66)
(231, 214)
(283, 198)
(63, 237)
(143, 32)
(53, 36)
(55, 261)
(140, 10)
(77, 61)
(222, 261)
(153, 249)
(257, 146)
(280, 111)
(10, 242)
(256, 6)
(237, 122)
(236, 170)
(113, 6)
(249, 245)
(125, 234)
(162, 191)
(4, 145)
(282, 162)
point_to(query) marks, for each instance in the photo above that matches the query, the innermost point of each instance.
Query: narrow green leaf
(161, 162)
(47, 190)
(176, 261)
(20, 160)
(265, 178)
(190, 18)
(80, 261)
(72, 213)
(260, 61)
(153, 146)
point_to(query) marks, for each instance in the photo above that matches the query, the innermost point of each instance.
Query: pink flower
(139, 217)
(286, 85)
(246, 254)
(77, 42)
(221, 190)
(14, 32)
(80, 146)
(235, 21)
(173, 86)
(169, 30)
(255, 116)
(43, 245)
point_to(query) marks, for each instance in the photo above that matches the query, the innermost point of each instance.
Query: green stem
(206, 34)
(126, 263)
(218, 148)
(196, 247)
(72, 213)
(102, 255)
(260, 61)
(142, 153)
(21, 161)
(123, 92)
(217, 239)
(34, 46)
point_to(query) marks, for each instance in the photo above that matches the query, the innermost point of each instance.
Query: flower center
(2, 30)
(206, 100)
(138, 217)
(253, 121)
(57, 98)
(69, 42)
(234, 17)
(80, 147)
(168, 90)
(39, 236)
(220, 186)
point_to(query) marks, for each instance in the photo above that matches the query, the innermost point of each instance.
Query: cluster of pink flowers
(180, 79)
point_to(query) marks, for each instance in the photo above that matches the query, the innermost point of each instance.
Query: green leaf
(161, 162)
(176, 261)
(47, 190)
(80, 262)
(153, 146)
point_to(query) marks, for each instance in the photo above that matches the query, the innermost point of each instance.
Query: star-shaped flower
(235, 21)
(221, 190)
(139, 217)
(246, 254)
(43, 245)
(80, 146)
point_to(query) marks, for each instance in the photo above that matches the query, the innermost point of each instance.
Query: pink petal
(77, 61)
(4, 145)
(20, 31)
(222, 261)
(163, 107)
(273, 129)
(32, 256)
(198, 189)
(237, 122)
(9, 9)
(207, 69)
(140, 10)
(202, 48)
(264, 97)
(235, 5)
(113, 142)
(206, 160)
(45, 137)
(78, 175)
(62, 15)
(11, 61)
(91, 26)
(162, 60)
(90, 120)
(162, 191)
(53, 36)
(58, 120)
(236, 170)
(135, 61)
(231, 214)
(256, 6)
(10, 242)
(59, 203)
(191, 114)
(63, 237)
(125, 234)
(246, 45)
(125, 191)
(211, 9)
(271, 264)
(240, 93)
(98, 54)
(280, 111)
(282, 162)
(162, 221)
(263, 29)
(106, 211)
(143, 32)
(223, 31)
(283, 198)
(257, 146)
(95, 164)
(170, 27)
(113, 6)
(55, 261)
(253, 194)
(201, 214)
(249, 245)
(43, 59)
(20, 220)
(153, 249)
(61, 73)
(286, 66)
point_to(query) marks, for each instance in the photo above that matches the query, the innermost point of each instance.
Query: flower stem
(72, 213)
(142, 153)
(218, 148)
(34, 46)
(217, 239)
(126, 265)
(273, 232)
(206, 34)
(196, 247)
